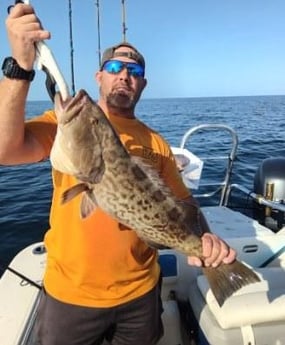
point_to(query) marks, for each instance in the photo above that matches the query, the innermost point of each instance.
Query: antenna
(98, 31)
(71, 48)
(124, 20)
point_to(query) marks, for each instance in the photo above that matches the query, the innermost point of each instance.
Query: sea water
(25, 190)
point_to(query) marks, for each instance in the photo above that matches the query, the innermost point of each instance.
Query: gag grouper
(87, 147)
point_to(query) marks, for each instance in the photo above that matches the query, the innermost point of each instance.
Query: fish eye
(94, 121)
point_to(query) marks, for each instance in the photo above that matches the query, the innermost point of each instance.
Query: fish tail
(226, 279)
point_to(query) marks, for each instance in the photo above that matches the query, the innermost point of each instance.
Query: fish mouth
(72, 106)
(80, 97)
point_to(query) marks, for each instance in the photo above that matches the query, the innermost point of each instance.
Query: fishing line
(98, 32)
(71, 48)
(20, 275)
(124, 21)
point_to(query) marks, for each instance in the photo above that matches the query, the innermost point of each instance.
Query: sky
(192, 48)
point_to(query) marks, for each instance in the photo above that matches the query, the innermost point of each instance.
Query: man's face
(120, 90)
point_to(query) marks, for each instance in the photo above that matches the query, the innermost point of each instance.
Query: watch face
(8, 65)
(12, 70)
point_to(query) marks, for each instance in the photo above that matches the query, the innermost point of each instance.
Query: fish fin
(94, 176)
(123, 227)
(226, 279)
(99, 174)
(72, 192)
(152, 174)
(155, 245)
(88, 204)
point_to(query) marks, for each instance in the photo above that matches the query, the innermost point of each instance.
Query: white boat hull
(265, 320)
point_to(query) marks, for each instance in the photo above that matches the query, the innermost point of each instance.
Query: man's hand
(215, 252)
(24, 29)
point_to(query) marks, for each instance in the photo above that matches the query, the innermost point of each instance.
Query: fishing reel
(269, 182)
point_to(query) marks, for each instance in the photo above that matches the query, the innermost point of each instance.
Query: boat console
(255, 314)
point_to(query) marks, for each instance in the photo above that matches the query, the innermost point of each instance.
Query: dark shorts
(134, 323)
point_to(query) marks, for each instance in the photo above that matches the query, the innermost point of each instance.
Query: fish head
(77, 149)
(69, 109)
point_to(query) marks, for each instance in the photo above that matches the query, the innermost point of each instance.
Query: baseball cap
(111, 53)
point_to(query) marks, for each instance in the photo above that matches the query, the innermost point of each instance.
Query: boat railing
(258, 198)
(222, 186)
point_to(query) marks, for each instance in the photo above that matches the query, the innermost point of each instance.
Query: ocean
(25, 191)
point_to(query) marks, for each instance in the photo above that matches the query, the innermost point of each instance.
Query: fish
(125, 187)
(75, 150)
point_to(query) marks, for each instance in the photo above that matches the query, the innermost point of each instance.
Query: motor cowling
(269, 181)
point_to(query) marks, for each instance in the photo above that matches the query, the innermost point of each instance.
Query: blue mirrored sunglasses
(116, 66)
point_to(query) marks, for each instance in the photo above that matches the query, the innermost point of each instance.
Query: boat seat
(253, 304)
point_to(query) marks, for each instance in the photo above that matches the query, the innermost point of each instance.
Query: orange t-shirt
(92, 262)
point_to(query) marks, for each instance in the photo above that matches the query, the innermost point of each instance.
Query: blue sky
(193, 48)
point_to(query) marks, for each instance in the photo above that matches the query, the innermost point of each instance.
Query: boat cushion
(255, 303)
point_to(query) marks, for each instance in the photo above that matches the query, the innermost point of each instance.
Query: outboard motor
(269, 181)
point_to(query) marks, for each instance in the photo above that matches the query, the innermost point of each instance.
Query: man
(100, 282)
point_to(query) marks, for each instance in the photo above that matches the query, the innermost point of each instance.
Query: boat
(254, 315)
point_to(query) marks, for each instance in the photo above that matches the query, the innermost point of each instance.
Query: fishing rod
(98, 31)
(71, 47)
(47, 63)
(124, 20)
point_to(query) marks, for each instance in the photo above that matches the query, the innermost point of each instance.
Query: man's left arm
(215, 250)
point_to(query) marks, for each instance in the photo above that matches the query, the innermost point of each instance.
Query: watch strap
(12, 70)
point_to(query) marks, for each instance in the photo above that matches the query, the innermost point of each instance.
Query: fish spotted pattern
(87, 147)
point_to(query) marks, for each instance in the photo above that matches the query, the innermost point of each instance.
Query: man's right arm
(18, 145)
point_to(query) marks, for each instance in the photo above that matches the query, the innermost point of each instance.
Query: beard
(122, 100)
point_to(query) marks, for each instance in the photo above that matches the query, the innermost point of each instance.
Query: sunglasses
(116, 66)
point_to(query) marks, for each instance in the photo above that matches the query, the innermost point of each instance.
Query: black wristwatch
(12, 70)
